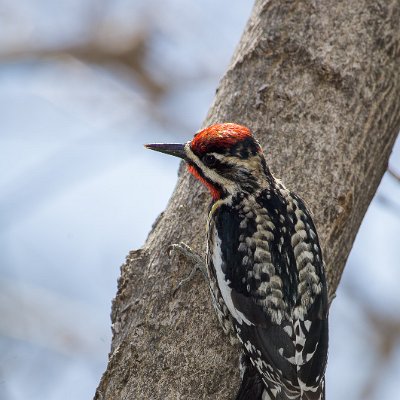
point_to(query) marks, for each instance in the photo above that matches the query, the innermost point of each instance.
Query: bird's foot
(197, 262)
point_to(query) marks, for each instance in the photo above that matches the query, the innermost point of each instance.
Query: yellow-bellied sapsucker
(264, 266)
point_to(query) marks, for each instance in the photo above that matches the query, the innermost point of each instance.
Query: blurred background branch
(382, 332)
(394, 174)
(131, 56)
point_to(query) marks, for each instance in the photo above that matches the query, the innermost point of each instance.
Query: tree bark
(318, 83)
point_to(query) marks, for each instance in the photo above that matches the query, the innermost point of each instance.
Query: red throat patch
(215, 193)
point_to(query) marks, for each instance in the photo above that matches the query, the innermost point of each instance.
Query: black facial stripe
(232, 172)
(201, 174)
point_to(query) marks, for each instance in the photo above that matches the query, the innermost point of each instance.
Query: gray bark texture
(318, 83)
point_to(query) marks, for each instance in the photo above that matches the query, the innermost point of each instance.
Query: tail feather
(252, 386)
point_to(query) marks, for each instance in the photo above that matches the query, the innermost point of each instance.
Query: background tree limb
(318, 84)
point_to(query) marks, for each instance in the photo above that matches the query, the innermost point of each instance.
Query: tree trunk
(318, 83)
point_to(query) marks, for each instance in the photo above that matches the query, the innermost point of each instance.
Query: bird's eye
(209, 160)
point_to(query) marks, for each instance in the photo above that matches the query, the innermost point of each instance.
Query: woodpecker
(264, 266)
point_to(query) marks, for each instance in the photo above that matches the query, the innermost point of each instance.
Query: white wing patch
(223, 283)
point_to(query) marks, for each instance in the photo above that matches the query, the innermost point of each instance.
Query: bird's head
(224, 157)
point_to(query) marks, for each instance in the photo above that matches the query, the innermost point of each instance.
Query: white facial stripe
(208, 172)
(219, 157)
(251, 164)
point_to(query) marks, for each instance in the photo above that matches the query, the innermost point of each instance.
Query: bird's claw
(197, 262)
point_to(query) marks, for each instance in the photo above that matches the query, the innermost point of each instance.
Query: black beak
(173, 149)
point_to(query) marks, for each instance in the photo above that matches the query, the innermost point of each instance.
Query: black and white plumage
(265, 267)
(267, 280)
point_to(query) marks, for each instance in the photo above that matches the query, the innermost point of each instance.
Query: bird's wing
(265, 341)
(311, 327)
(295, 347)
